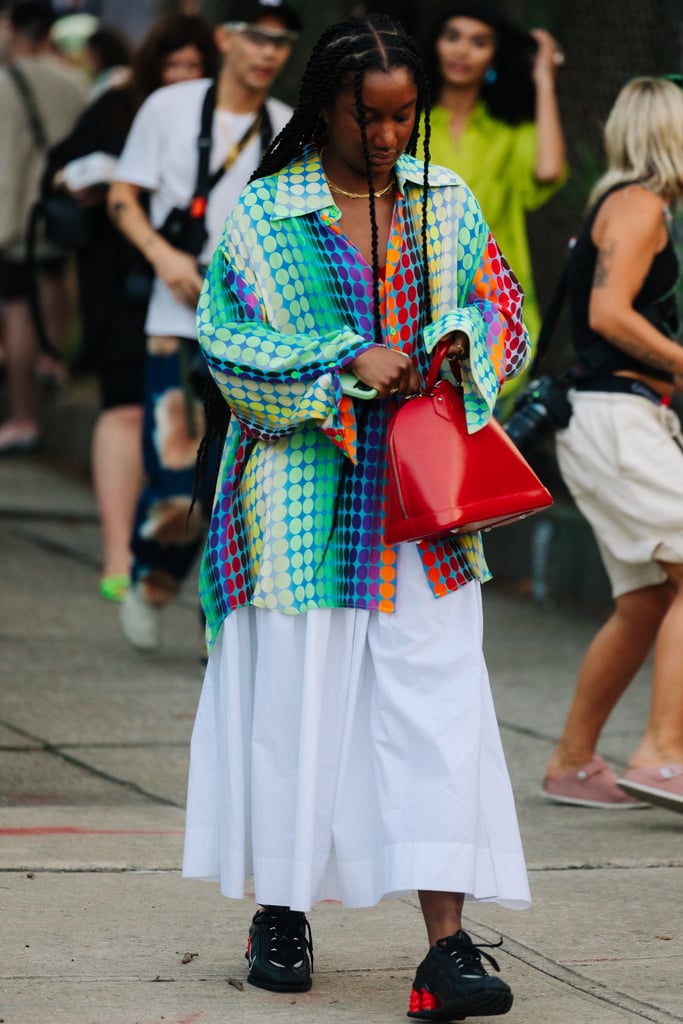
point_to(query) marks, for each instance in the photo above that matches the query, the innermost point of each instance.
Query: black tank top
(655, 301)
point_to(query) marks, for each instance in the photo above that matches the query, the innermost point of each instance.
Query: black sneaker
(451, 983)
(278, 948)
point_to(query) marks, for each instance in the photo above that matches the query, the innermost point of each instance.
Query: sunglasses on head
(259, 35)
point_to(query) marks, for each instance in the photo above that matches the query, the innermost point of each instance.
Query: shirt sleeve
(141, 158)
(274, 381)
(489, 311)
(534, 193)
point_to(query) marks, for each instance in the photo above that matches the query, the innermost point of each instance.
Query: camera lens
(542, 407)
(527, 426)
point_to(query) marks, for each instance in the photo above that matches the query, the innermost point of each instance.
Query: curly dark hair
(512, 97)
(338, 63)
(169, 33)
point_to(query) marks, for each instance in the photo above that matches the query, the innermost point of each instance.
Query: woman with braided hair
(345, 745)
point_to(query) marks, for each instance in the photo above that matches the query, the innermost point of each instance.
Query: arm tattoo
(644, 355)
(118, 210)
(602, 265)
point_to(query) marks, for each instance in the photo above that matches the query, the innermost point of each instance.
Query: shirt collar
(480, 115)
(302, 186)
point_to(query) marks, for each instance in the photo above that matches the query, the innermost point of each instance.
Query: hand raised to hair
(549, 55)
(388, 371)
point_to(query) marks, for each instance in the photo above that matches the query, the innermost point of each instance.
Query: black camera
(543, 407)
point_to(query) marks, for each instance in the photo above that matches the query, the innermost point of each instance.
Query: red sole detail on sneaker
(422, 999)
(490, 1005)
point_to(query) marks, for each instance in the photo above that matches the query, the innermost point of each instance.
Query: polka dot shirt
(287, 303)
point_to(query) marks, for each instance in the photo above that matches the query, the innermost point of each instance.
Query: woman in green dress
(495, 121)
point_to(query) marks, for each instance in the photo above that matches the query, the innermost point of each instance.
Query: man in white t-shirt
(160, 158)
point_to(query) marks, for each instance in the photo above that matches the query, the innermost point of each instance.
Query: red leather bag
(443, 480)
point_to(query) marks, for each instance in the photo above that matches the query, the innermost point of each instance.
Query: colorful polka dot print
(287, 303)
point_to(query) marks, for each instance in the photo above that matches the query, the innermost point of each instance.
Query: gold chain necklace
(353, 195)
(357, 195)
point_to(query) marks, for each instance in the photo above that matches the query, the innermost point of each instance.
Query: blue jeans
(165, 541)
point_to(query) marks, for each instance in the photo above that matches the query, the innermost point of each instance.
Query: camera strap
(550, 319)
(205, 181)
(41, 143)
(589, 362)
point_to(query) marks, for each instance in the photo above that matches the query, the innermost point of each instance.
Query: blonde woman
(622, 454)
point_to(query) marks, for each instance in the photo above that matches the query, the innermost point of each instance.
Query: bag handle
(438, 356)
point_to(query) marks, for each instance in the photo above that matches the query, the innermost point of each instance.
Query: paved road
(96, 925)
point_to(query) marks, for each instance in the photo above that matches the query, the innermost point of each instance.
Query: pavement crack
(61, 547)
(148, 745)
(611, 865)
(32, 514)
(573, 979)
(525, 730)
(38, 743)
(75, 552)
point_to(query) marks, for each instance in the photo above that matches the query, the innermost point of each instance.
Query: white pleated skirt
(352, 755)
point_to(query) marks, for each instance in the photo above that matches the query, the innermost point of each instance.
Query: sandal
(662, 786)
(593, 785)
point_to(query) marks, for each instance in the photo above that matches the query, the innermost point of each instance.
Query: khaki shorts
(622, 460)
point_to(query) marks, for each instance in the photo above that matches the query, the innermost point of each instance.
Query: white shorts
(622, 460)
(352, 755)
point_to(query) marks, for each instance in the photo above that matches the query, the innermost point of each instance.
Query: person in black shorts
(114, 281)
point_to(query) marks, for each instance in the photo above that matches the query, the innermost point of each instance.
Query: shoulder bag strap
(26, 93)
(41, 142)
(261, 125)
(204, 139)
(589, 362)
(256, 127)
(205, 182)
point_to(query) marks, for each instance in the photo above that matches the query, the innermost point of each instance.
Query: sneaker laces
(467, 954)
(285, 930)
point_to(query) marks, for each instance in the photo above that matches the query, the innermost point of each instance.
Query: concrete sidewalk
(96, 925)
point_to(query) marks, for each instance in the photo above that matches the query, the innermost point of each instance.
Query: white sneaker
(140, 620)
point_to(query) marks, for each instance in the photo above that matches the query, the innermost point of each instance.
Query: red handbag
(443, 480)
